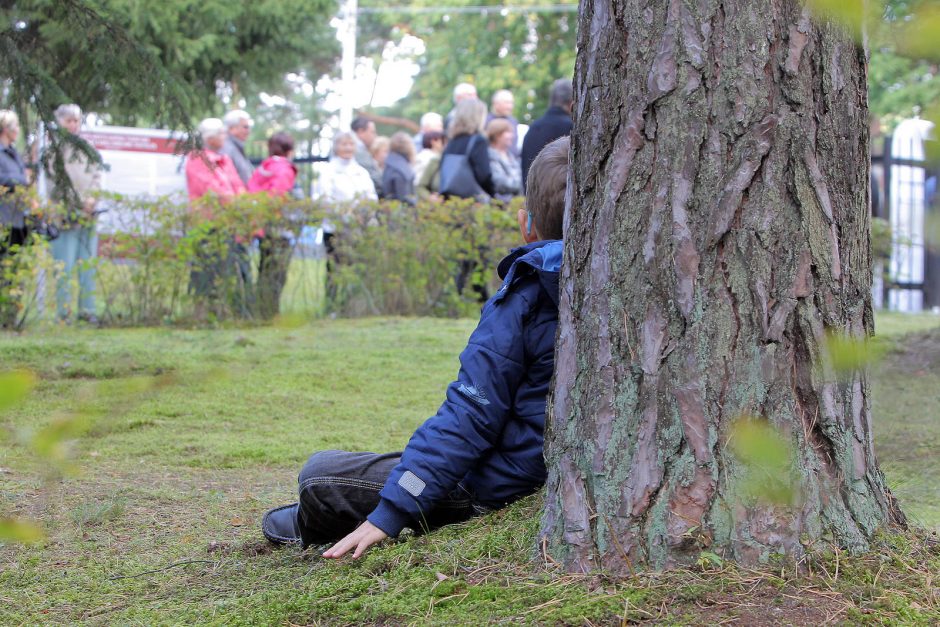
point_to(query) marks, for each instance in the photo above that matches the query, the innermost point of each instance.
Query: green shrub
(393, 259)
(171, 262)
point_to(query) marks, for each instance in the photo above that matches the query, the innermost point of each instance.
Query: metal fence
(904, 185)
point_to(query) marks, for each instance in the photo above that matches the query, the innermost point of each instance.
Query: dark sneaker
(279, 525)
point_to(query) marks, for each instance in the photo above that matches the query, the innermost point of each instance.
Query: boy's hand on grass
(361, 539)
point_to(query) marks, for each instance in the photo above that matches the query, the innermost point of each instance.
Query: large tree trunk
(718, 231)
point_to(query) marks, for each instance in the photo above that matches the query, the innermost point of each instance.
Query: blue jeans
(77, 245)
(338, 489)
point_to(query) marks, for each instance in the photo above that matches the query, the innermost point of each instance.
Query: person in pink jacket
(208, 170)
(277, 173)
(275, 176)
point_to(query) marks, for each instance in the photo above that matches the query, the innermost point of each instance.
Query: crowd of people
(481, 142)
(473, 151)
(73, 235)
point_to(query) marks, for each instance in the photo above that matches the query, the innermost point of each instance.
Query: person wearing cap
(238, 127)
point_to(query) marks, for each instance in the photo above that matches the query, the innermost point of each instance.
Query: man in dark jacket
(554, 124)
(483, 448)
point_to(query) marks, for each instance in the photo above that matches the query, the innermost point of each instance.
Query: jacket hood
(542, 257)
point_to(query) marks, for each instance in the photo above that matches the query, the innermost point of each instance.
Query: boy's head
(546, 185)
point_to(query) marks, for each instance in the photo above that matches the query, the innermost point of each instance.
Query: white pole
(348, 64)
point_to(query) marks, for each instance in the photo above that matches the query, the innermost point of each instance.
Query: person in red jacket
(275, 176)
(208, 170)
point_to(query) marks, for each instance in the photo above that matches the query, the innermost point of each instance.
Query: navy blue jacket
(554, 124)
(487, 436)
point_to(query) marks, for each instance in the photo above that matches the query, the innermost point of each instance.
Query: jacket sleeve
(480, 164)
(469, 422)
(11, 172)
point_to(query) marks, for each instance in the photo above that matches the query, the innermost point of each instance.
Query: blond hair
(546, 186)
(378, 144)
(7, 119)
(469, 116)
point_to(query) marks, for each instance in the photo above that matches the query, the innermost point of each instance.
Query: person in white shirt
(343, 183)
(342, 179)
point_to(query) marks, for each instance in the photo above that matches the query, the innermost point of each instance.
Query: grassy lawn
(157, 523)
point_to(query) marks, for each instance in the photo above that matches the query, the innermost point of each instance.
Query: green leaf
(756, 442)
(849, 354)
(20, 531)
(50, 441)
(767, 458)
(14, 386)
(707, 559)
(850, 13)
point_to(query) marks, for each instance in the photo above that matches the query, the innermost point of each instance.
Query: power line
(480, 9)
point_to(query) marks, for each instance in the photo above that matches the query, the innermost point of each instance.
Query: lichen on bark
(717, 234)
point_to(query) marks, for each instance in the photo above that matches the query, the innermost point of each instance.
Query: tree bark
(717, 231)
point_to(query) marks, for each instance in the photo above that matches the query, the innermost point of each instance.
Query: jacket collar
(239, 144)
(554, 110)
(397, 162)
(542, 257)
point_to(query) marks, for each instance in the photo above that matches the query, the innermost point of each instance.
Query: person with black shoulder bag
(465, 164)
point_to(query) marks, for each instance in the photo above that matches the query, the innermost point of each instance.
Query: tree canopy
(493, 49)
(161, 62)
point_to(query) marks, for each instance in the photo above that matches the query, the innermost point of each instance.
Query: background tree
(160, 63)
(717, 240)
(522, 52)
(901, 84)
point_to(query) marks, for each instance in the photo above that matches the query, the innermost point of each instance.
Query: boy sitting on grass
(483, 448)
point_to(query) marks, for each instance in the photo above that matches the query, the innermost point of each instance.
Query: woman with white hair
(208, 170)
(74, 180)
(208, 173)
(341, 182)
(342, 179)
